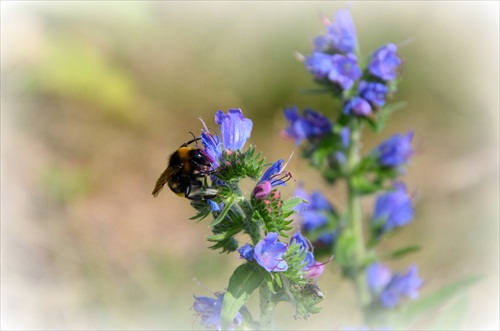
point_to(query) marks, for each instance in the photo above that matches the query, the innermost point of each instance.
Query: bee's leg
(198, 194)
(187, 191)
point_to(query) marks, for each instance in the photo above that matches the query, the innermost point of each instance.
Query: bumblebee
(186, 167)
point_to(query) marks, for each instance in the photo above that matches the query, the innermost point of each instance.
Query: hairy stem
(251, 227)
(355, 219)
(267, 306)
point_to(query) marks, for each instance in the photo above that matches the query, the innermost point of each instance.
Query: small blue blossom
(340, 34)
(392, 210)
(357, 106)
(246, 251)
(213, 205)
(319, 64)
(345, 70)
(374, 93)
(312, 124)
(395, 151)
(268, 253)
(235, 129)
(385, 62)
(210, 309)
(389, 287)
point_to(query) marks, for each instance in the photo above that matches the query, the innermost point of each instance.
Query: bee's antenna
(191, 141)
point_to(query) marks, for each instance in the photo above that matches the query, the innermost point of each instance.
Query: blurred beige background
(95, 96)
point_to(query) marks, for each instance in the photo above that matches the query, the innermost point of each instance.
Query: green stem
(251, 227)
(355, 219)
(267, 306)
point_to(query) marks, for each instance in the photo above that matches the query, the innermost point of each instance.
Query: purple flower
(372, 92)
(340, 35)
(378, 277)
(209, 310)
(312, 124)
(269, 253)
(314, 213)
(343, 32)
(392, 210)
(357, 106)
(395, 151)
(345, 70)
(234, 127)
(235, 130)
(388, 287)
(271, 178)
(213, 148)
(385, 62)
(319, 64)
(246, 251)
(271, 173)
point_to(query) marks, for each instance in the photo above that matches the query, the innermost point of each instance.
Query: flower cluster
(333, 146)
(334, 63)
(286, 270)
(388, 288)
(271, 255)
(291, 268)
(235, 131)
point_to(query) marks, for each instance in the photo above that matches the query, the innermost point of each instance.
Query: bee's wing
(164, 178)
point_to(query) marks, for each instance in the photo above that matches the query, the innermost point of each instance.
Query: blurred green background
(95, 95)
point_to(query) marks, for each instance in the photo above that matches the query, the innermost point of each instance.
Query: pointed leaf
(453, 317)
(290, 203)
(245, 279)
(403, 252)
(227, 207)
(432, 302)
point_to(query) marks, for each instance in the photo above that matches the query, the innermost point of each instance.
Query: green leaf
(403, 252)
(245, 279)
(453, 317)
(431, 303)
(364, 186)
(344, 250)
(290, 203)
(227, 207)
